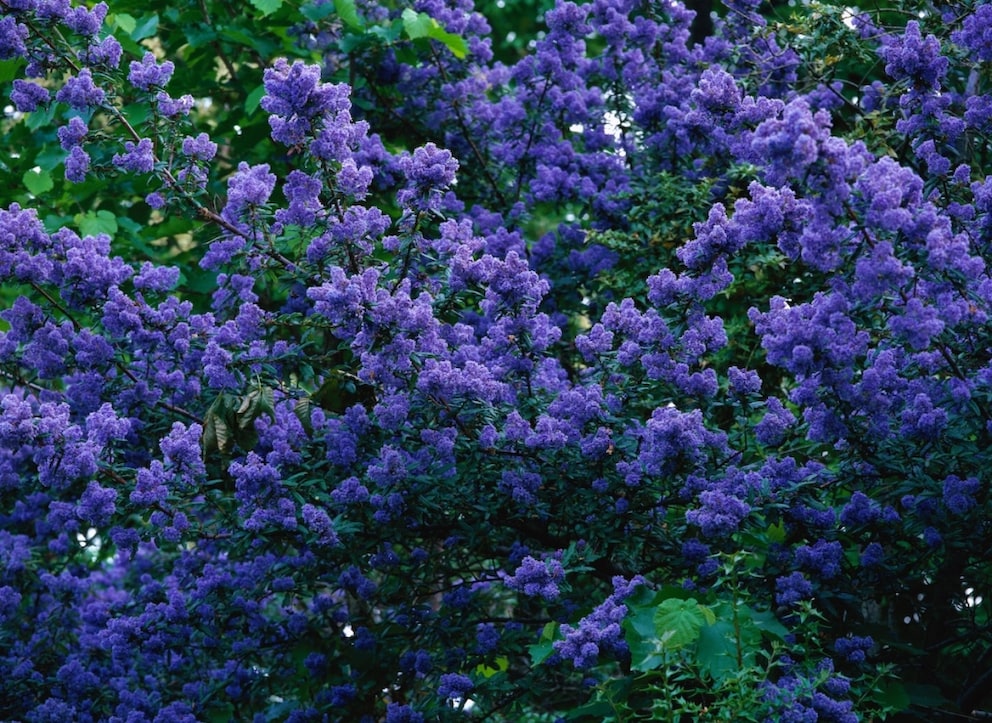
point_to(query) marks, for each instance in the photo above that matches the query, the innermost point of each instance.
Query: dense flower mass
(638, 370)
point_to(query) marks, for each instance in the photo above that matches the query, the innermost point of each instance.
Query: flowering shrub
(635, 378)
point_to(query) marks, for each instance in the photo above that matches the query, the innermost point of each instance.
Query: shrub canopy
(360, 365)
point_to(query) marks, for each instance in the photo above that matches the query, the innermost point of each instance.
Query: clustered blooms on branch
(412, 441)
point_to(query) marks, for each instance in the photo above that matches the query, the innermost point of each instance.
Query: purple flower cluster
(419, 400)
(535, 578)
(600, 631)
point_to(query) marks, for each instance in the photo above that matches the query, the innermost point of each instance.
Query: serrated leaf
(417, 25)
(302, 410)
(677, 622)
(253, 100)
(348, 13)
(247, 413)
(216, 433)
(267, 401)
(93, 223)
(38, 181)
(266, 7)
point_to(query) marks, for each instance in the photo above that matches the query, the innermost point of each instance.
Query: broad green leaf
(315, 12)
(348, 13)
(302, 410)
(136, 113)
(146, 27)
(597, 709)
(776, 533)
(542, 649)
(893, 695)
(220, 713)
(40, 118)
(125, 22)
(266, 7)
(455, 43)
(38, 181)
(417, 25)
(9, 69)
(677, 622)
(93, 223)
(716, 650)
(216, 433)
(49, 157)
(253, 99)
(767, 623)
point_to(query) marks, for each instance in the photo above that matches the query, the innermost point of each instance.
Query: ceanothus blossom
(149, 74)
(914, 58)
(77, 164)
(12, 37)
(137, 157)
(27, 96)
(536, 578)
(79, 91)
(600, 631)
(296, 98)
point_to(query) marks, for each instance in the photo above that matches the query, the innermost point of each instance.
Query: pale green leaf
(38, 181)
(677, 622)
(93, 223)
(125, 22)
(417, 25)
(348, 13)
(455, 43)
(266, 7)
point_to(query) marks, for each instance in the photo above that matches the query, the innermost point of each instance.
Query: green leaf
(488, 671)
(455, 43)
(9, 69)
(417, 25)
(302, 410)
(145, 28)
(542, 649)
(42, 117)
(677, 622)
(220, 713)
(767, 623)
(38, 181)
(266, 7)
(125, 22)
(716, 650)
(49, 157)
(316, 13)
(216, 432)
(420, 25)
(253, 99)
(93, 223)
(776, 533)
(348, 13)
(893, 695)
